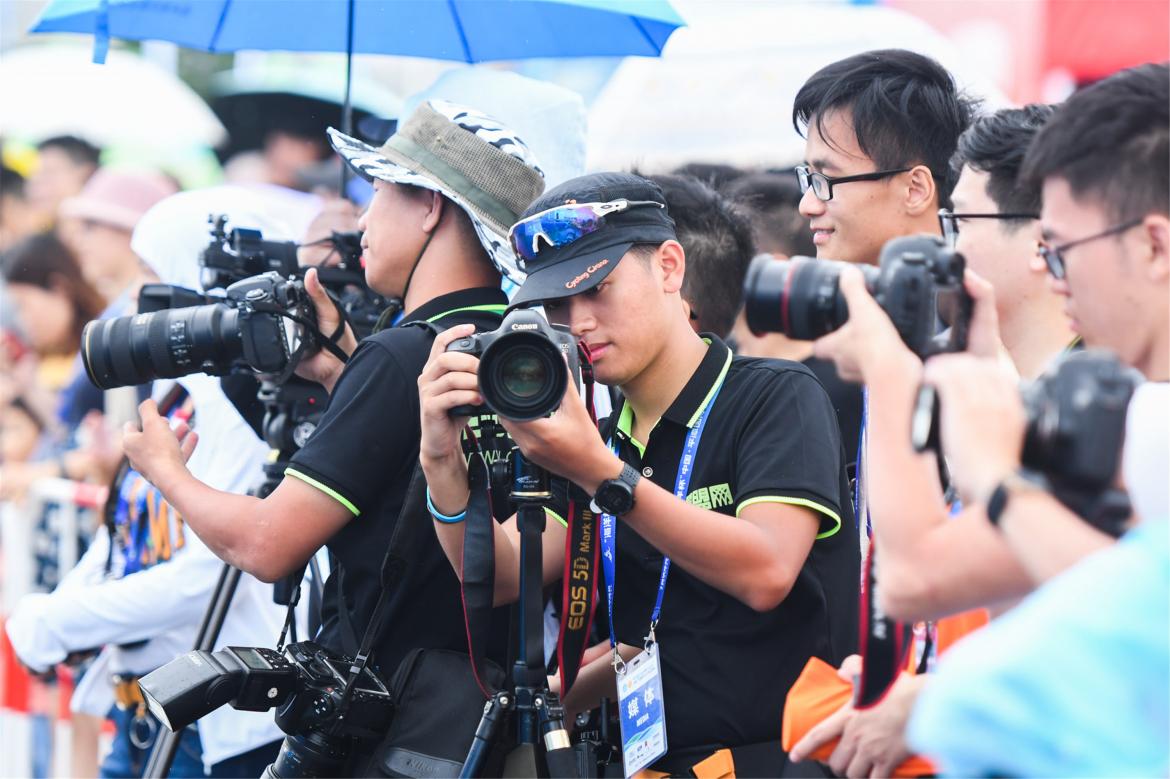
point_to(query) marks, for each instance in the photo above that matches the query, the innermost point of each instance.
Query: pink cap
(118, 198)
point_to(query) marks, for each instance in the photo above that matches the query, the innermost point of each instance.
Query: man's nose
(811, 205)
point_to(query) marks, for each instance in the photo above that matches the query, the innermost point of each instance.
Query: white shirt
(163, 604)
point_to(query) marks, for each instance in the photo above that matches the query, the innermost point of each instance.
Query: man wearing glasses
(995, 225)
(881, 127)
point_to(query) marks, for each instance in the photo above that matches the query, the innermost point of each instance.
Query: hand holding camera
(322, 366)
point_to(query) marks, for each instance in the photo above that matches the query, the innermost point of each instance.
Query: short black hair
(995, 144)
(906, 109)
(1111, 142)
(79, 150)
(714, 174)
(773, 199)
(717, 238)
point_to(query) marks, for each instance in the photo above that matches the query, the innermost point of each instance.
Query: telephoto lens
(798, 297)
(132, 350)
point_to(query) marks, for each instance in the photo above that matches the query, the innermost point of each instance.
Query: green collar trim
(711, 392)
(494, 308)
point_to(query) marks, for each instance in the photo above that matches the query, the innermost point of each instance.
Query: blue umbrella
(463, 30)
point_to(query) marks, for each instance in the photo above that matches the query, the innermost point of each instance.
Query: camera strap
(582, 556)
(885, 643)
(479, 564)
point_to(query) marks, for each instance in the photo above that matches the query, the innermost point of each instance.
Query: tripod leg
(163, 754)
(558, 750)
(486, 733)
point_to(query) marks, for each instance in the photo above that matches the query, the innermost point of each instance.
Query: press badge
(643, 715)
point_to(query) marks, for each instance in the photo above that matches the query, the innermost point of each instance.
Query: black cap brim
(571, 276)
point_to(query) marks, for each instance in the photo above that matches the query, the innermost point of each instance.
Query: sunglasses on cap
(561, 225)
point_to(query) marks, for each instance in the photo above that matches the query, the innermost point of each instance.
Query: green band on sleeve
(556, 516)
(804, 503)
(337, 496)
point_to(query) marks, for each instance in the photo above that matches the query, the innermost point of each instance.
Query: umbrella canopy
(56, 90)
(723, 89)
(464, 30)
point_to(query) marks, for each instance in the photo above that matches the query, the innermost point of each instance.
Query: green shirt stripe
(324, 488)
(802, 502)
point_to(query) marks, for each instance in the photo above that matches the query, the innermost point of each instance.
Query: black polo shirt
(363, 454)
(771, 436)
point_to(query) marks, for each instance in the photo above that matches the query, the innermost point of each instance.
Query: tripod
(288, 422)
(542, 743)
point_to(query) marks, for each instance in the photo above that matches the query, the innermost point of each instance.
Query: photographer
(447, 186)
(881, 127)
(766, 565)
(1074, 681)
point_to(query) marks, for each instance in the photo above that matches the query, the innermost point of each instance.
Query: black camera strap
(885, 643)
(582, 556)
(412, 518)
(478, 579)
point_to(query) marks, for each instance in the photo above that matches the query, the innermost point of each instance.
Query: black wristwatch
(616, 496)
(1022, 480)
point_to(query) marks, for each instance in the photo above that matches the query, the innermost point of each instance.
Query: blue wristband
(446, 520)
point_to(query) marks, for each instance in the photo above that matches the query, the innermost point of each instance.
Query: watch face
(614, 498)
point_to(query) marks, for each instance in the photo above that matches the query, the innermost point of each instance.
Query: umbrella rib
(459, 29)
(211, 44)
(642, 29)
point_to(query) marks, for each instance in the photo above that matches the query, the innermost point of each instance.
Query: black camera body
(1076, 414)
(917, 281)
(524, 366)
(1076, 419)
(306, 684)
(263, 324)
(243, 253)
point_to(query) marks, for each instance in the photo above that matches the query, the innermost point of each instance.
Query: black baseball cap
(564, 271)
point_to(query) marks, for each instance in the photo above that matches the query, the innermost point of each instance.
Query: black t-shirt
(771, 437)
(846, 398)
(363, 454)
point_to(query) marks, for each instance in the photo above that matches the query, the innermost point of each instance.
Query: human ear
(920, 191)
(434, 213)
(672, 261)
(1155, 232)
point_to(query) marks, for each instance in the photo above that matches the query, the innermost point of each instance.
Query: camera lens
(132, 350)
(522, 376)
(797, 297)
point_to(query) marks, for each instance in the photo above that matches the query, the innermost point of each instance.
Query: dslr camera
(524, 366)
(1076, 428)
(918, 281)
(265, 323)
(322, 713)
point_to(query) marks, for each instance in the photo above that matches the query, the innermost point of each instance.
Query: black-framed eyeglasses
(948, 222)
(1053, 255)
(822, 185)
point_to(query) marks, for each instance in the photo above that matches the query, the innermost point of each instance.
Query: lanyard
(682, 483)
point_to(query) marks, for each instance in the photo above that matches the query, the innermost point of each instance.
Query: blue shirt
(1073, 682)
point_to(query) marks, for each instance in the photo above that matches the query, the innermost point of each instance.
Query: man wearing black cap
(730, 468)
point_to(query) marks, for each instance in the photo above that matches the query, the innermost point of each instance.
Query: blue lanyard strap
(682, 482)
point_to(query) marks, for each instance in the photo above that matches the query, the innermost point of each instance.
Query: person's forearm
(728, 553)
(903, 493)
(232, 526)
(963, 563)
(1047, 538)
